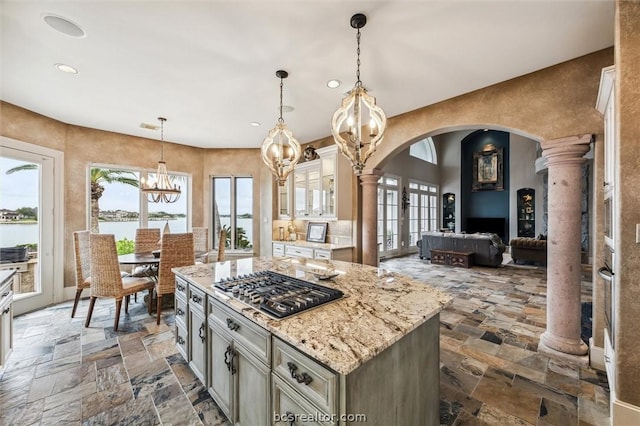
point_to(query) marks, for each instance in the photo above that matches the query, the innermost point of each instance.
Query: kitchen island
(371, 355)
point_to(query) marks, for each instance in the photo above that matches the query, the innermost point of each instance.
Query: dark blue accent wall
(483, 203)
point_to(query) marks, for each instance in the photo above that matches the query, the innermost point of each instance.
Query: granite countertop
(378, 309)
(303, 243)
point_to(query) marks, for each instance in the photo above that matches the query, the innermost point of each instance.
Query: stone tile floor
(61, 372)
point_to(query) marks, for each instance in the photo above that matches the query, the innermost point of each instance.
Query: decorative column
(564, 161)
(369, 184)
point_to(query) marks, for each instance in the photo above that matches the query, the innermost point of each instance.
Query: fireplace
(494, 225)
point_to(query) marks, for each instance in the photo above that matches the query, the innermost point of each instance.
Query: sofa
(529, 250)
(487, 248)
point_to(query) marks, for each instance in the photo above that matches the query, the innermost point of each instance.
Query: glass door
(26, 225)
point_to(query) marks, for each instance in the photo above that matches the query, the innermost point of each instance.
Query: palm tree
(100, 176)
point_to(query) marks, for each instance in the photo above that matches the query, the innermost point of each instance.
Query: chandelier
(358, 107)
(161, 189)
(280, 150)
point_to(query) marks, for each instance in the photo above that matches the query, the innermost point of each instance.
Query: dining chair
(222, 243)
(201, 244)
(146, 240)
(106, 280)
(177, 250)
(82, 250)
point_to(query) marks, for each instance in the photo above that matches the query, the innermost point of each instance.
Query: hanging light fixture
(358, 107)
(162, 189)
(280, 150)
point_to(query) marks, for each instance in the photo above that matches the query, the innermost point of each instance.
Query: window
(117, 206)
(388, 215)
(424, 150)
(233, 211)
(423, 210)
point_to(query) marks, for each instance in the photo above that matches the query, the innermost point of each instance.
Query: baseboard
(623, 413)
(68, 293)
(596, 356)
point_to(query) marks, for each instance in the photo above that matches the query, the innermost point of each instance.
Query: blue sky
(18, 189)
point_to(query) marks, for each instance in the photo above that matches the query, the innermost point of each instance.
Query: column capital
(568, 150)
(370, 177)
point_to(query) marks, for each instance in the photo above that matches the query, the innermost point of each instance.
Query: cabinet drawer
(181, 340)
(316, 382)
(299, 251)
(322, 254)
(181, 311)
(248, 334)
(289, 408)
(181, 288)
(278, 250)
(196, 298)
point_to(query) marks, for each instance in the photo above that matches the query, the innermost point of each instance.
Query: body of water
(12, 234)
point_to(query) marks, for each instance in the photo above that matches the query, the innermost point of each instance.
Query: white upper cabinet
(318, 189)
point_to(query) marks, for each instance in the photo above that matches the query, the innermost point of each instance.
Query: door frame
(51, 259)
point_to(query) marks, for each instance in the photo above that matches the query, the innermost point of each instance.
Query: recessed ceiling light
(66, 68)
(63, 25)
(255, 124)
(333, 84)
(287, 108)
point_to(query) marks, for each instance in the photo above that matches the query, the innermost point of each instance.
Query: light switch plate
(637, 233)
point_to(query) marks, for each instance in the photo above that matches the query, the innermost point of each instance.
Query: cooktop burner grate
(276, 294)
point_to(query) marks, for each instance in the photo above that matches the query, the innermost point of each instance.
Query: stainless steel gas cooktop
(277, 295)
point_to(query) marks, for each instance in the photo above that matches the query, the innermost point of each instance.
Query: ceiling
(209, 66)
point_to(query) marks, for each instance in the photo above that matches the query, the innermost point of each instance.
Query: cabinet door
(300, 194)
(220, 378)
(6, 333)
(197, 338)
(284, 199)
(314, 205)
(252, 406)
(328, 195)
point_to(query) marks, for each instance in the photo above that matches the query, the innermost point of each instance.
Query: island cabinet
(197, 331)
(239, 366)
(371, 356)
(6, 316)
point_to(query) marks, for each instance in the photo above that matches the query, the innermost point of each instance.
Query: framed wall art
(487, 169)
(317, 232)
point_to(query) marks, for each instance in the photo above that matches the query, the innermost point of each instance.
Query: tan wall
(82, 147)
(627, 92)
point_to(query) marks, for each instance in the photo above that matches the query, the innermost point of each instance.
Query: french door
(388, 215)
(31, 188)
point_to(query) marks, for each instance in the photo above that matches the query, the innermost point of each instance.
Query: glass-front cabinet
(526, 212)
(284, 199)
(314, 192)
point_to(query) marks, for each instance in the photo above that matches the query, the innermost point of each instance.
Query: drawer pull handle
(232, 325)
(6, 311)
(607, 359)
(200, 333)
(180, 340)
(197, 299)
(229, 355)
(300, 378)
(5, 294)
(180, 287)
(179, 312)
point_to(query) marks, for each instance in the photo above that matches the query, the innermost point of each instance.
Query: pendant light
(280, 150)
(358, 107)
(162, 189)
